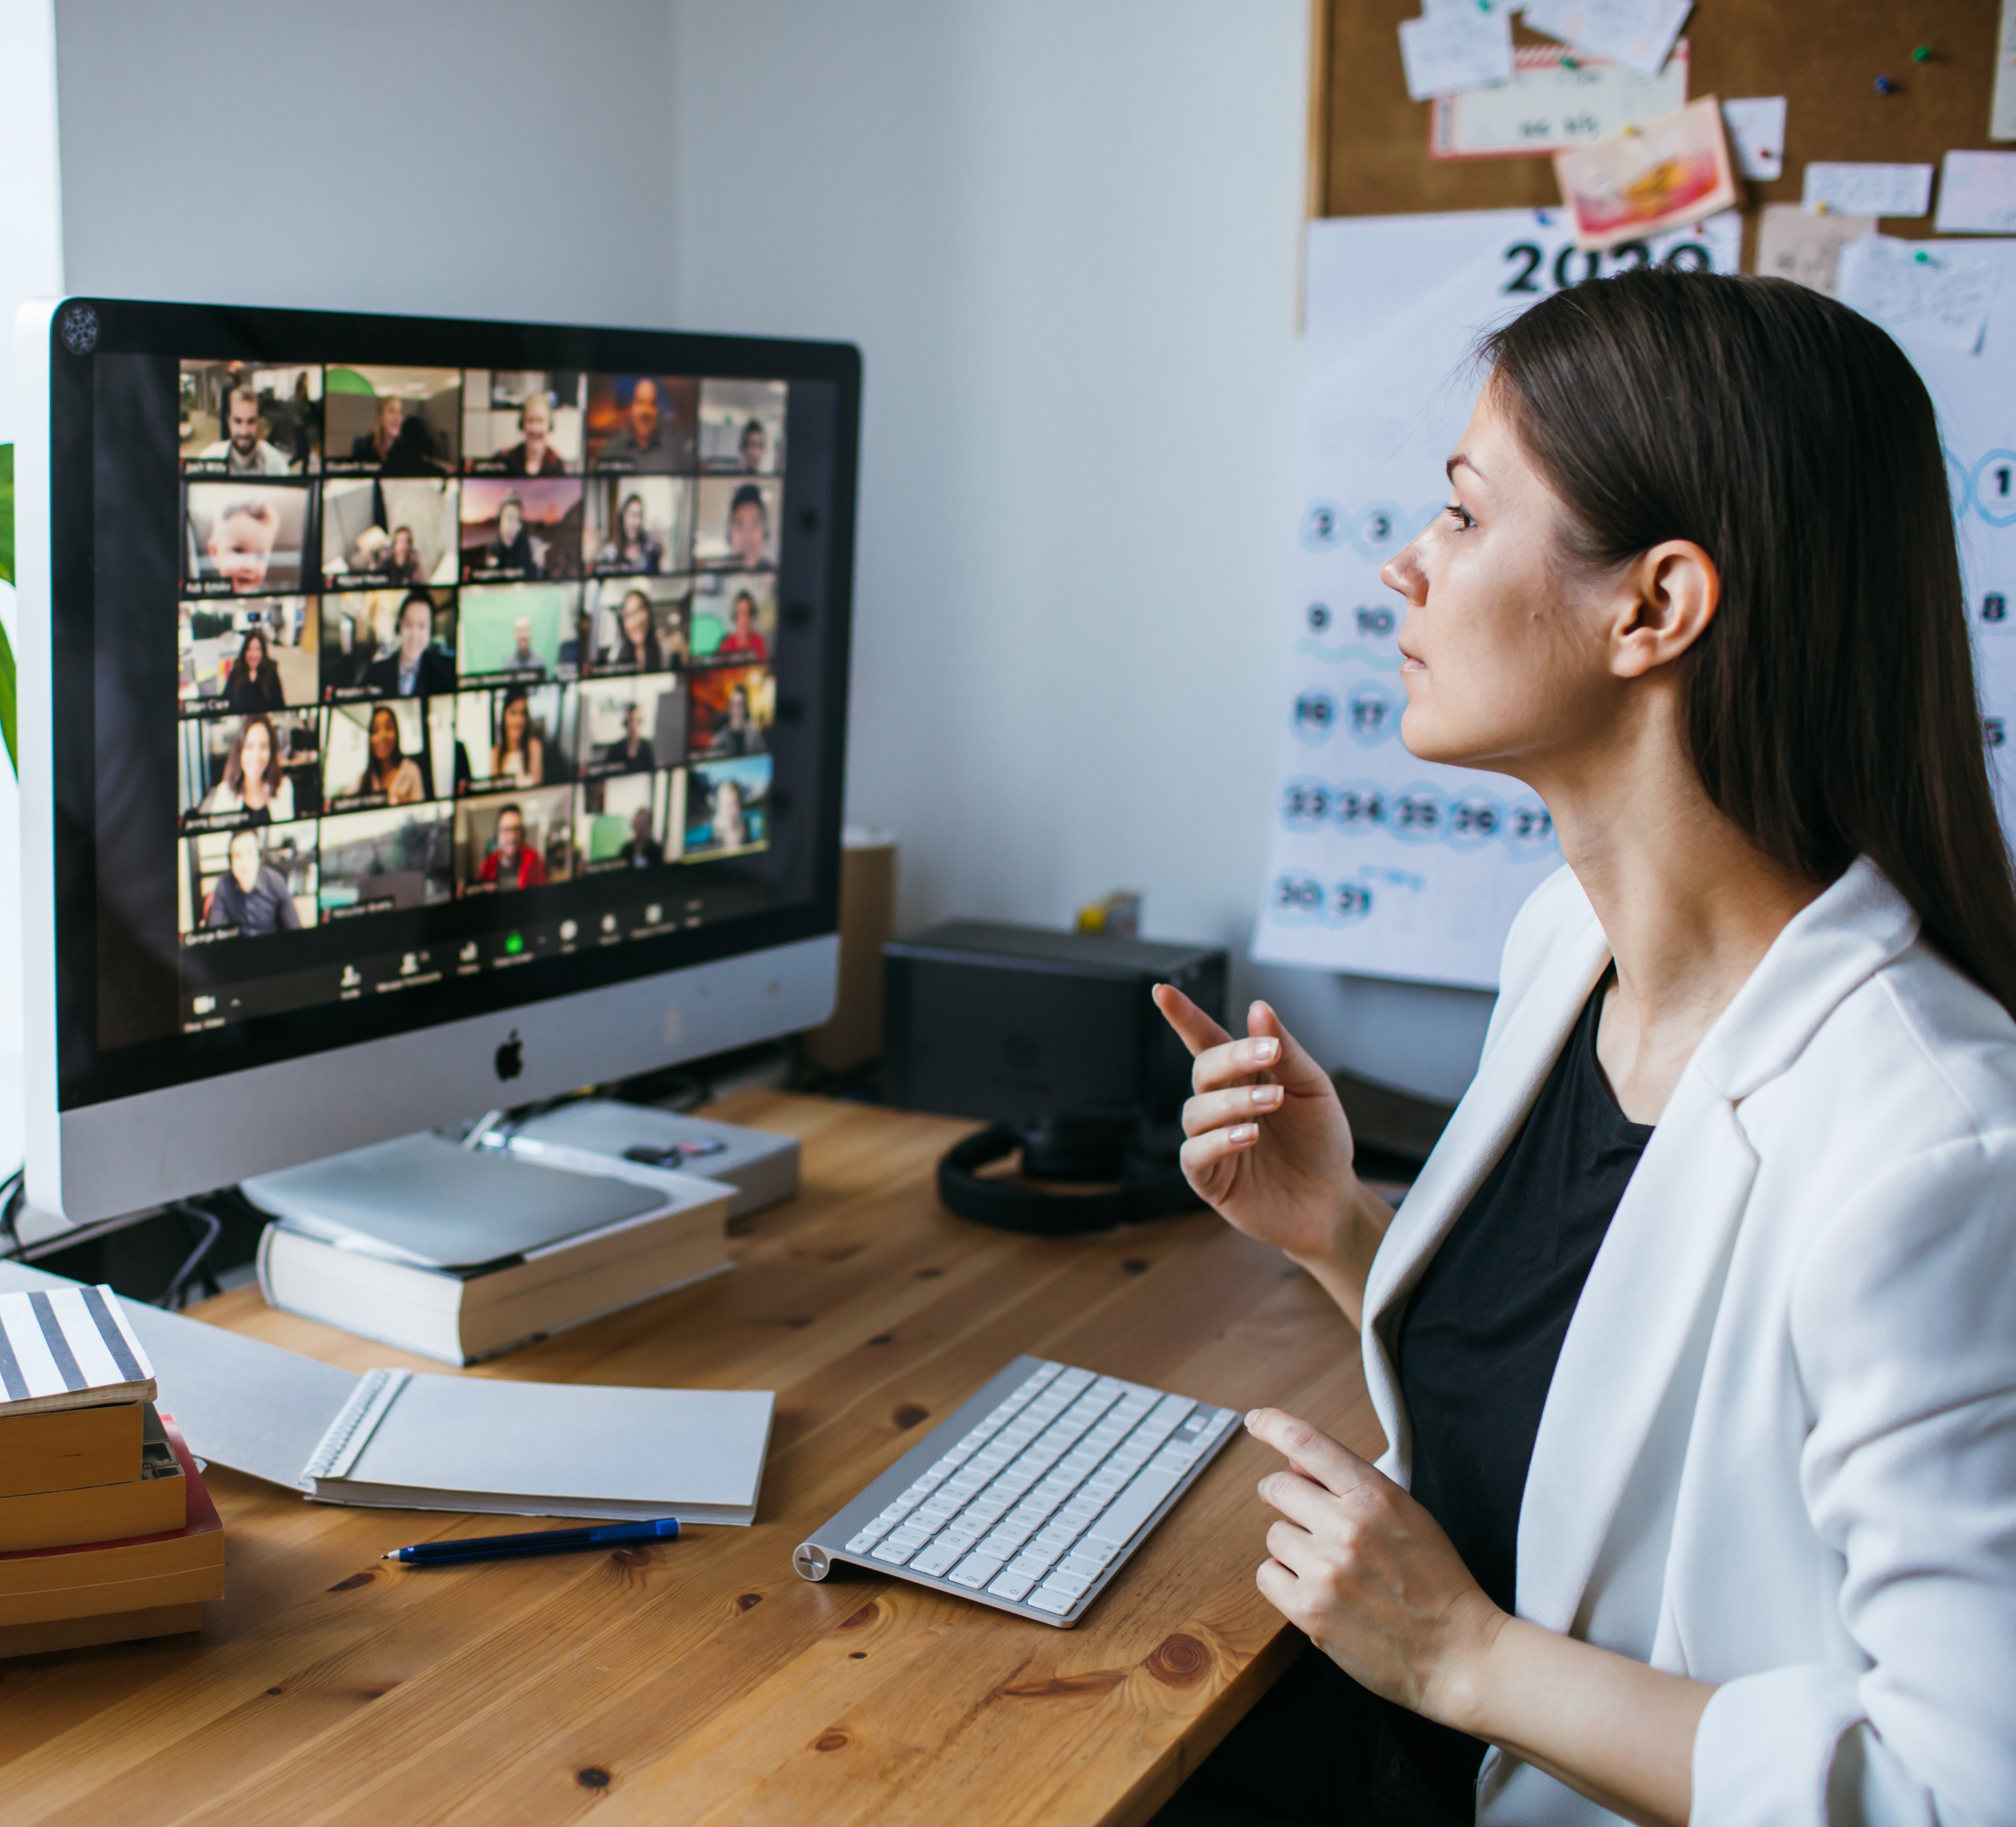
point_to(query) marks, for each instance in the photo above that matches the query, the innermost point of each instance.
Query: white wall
(1064, 234)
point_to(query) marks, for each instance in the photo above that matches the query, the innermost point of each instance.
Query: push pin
(1922, 54)
(1631, 130)
(1568, 62)
(1822, 209)
(1884, 85)
(1923, 258)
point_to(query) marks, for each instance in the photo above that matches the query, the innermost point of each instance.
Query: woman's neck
(1689, 904)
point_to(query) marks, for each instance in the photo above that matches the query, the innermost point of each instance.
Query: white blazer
(1779, 1451)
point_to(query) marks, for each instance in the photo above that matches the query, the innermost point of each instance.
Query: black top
(1480, 1337)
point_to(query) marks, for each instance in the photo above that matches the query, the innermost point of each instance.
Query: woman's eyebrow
(1449, 468)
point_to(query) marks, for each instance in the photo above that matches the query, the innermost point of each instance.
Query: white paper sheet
(1554, 99)
(1638, 33)
(1975, 397)
(2001, 109)
(1977, 194)
(1380, 864)
(1458, 48)
(1756, 125)
(1934, 292)
(1869, 190)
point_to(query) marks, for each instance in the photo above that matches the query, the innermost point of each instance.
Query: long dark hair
(1830, 706)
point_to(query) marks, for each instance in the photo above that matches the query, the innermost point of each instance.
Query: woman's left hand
(1369, 1575)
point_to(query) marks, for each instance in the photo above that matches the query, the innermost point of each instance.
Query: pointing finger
(1310, 1451)
(1194, 1028)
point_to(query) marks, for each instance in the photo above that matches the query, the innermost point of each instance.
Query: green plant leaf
(7, 702)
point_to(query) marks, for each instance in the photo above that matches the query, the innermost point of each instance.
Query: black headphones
(1151, 1186)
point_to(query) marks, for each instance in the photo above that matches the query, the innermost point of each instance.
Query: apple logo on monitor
(511, 1057)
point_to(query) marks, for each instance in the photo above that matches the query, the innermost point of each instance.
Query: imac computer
(416, 716)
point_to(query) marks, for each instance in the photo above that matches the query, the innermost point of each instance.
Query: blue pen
(539, 1541)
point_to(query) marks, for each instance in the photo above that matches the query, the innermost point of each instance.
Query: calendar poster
(1380, 865)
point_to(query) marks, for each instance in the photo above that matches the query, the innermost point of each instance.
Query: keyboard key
(1012, 1585)
(1133, 1506)
(1070, 1585)
(1044, 1599)
(1081, 1565)
(975, 1570)
(935, 1560)
(893, 1552)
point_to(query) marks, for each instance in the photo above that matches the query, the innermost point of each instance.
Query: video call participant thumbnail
(245, 653)
(521, 424)
(735, 617)
(631, 725)
(243, 538)
(514, 531)
(378, 532)
(639, 526)
(385, 861)
(511, 633)
(733, 711)
(620, 823)
(742, 426)
(735, 523)
(393, 421)
(727, 807)
(243, 419)
(517, 738)
(372, 755)
(256, 770)
(387, 643)
(643, 423)
(252, 896)
(639, 625)
(506, 842)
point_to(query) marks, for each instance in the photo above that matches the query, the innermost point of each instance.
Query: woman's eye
(1461, 515)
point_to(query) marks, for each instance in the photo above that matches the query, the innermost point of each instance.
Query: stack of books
(106, 1533)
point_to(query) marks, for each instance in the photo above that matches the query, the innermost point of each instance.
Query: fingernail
(1266, 1094)
(1250, 1414)
(1242, 1132)
(1262, 1051)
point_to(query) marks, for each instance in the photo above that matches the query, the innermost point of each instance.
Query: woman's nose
(1403, 572)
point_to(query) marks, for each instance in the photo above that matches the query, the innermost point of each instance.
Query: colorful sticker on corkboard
(1646, 179)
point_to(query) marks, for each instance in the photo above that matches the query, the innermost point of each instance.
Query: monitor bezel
(87, 1075)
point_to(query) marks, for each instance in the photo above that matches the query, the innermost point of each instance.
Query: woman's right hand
(1268, 1148)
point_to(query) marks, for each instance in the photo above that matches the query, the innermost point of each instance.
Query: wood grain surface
(1369, 150)
(703, 1681)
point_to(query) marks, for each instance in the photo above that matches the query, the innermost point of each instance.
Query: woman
(639, 649)
(728, 827)
(1695, 1341)
(512, 549)
(389, 770)
(400, 561)
(254, 786)
(518, 757)
(632, 548)
(254, 684)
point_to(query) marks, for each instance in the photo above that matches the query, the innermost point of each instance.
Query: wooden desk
(704, 1682)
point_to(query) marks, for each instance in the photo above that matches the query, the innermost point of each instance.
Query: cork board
(1368, 144)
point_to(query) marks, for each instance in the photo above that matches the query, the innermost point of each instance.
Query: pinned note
(2001, 109)
(1977, 194)
(1869, 190)
(1554, 99)
(1637, 34)
(1756, 126)
(1797, 243)
(1456, 48)
(1670, 171)
(1927, 293)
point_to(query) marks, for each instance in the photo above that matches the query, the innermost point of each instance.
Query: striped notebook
(68, 1348)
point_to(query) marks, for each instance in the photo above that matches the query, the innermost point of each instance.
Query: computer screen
(403, 669)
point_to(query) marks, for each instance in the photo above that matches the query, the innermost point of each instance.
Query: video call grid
(446, 702)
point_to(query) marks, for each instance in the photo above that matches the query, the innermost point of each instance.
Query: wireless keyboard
(1030, 1496)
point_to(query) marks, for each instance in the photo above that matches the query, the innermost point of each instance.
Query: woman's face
(1505, 642)
(636, 619)
(255, 755)
(402, 546)
(384, 735)
(509, 521)
(727, 809)
(255, 653)
(516, 716)
(633, 520)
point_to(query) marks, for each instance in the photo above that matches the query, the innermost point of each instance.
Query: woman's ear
(1671, 592)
